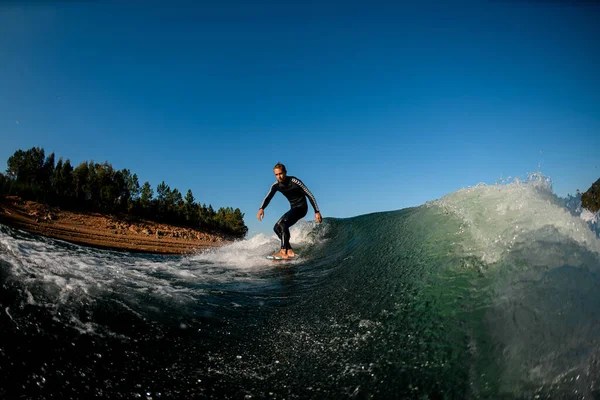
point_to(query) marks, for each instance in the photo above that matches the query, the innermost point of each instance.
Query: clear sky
(376, 106)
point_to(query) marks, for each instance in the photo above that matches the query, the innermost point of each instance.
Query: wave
(488, 292)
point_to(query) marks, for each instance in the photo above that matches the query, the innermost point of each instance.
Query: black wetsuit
(296, 192)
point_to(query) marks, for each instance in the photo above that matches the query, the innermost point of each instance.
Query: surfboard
(277, 258)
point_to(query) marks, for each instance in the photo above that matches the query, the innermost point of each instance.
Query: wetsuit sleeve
(310, 196)
(269, 196)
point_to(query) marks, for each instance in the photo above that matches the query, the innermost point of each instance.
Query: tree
(175, 197)
(80, 180)
(133, 185)
(189, 206)
(67, 183)
(146, 194)
(44, 177)
(4, 183)
(189, 198)
(24, 166)
(62, 183)
(110, 187)
(163, 194)
(175, 202)
(56, 180)
(237, 225)
(29, 169)
(591, 198)
(133, 190)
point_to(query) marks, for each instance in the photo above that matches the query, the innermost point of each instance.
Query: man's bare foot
(291, 253)
(281, 254)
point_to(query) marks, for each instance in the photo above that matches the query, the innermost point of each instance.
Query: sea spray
(495, 218)
(489, 292)
(537, 297)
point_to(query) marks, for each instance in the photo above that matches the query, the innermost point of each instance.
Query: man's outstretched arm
(266, 201)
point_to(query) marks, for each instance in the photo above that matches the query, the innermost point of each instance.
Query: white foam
(53, 273)
(305, 232)
(67, 271)
(247, 253)
(589, 216)
(494, 218)
(250, 253)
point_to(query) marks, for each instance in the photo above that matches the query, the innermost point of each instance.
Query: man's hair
(280, 166)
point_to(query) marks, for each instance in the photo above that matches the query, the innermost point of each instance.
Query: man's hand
(260, 214)
(318, 217)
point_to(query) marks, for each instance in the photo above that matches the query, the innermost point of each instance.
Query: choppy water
(490, 292)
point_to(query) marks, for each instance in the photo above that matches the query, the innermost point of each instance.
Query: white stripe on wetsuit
(262, 205)
(308, 193)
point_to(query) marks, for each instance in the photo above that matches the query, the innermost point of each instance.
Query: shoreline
(105, 231)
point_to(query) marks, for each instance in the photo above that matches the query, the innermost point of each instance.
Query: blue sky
(374, 106)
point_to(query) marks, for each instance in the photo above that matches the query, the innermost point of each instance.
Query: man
(296, 192)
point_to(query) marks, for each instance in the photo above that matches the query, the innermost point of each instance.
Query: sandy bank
(104, 231)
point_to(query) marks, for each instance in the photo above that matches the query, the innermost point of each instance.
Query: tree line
(98, 187)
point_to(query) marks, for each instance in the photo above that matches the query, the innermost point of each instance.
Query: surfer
(296, 192)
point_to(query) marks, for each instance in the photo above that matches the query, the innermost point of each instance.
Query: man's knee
(279, 226)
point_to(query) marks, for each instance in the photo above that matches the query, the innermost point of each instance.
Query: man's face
(279, 174)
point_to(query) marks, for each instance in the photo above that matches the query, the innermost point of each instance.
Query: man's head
(280, 172)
